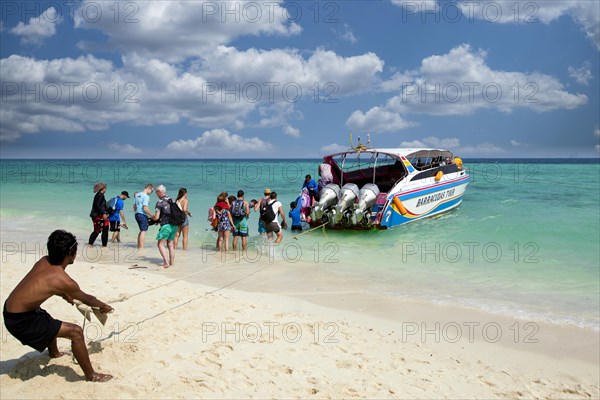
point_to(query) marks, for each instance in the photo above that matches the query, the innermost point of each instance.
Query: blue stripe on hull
(398, 219)
(433, 189)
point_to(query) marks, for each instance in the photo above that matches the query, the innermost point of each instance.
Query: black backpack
(267, 215)
(177, 216)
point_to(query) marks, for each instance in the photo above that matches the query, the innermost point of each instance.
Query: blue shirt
(311, 185)
(295, 213)
(118, 207)
(141, 199)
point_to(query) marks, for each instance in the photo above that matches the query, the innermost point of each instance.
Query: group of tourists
(230, 214)
(228, 217)
(172, 216)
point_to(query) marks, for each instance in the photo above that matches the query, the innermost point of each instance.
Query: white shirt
(275, 207)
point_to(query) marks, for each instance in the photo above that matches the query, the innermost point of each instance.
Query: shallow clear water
(524, 242)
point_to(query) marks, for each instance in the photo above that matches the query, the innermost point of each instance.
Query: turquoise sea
(524, 242)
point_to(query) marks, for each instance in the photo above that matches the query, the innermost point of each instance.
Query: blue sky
(206, 79)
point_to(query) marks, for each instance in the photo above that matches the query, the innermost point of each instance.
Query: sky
(296, 79)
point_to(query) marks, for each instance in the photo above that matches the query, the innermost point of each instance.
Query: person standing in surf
(99, 215)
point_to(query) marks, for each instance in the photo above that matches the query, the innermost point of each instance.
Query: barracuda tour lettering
(435, 197)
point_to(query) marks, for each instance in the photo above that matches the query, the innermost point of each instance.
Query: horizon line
(275, 159)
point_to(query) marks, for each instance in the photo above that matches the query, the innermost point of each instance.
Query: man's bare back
(33, 326)
(42, 282)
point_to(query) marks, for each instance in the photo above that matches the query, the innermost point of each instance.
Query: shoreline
(416, 318)
(29, 236)
(186, 339)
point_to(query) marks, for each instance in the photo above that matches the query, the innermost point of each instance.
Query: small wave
(508, 310)
(489, 217)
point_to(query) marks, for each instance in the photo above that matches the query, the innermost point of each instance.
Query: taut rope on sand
(312, 229)
(127, 297)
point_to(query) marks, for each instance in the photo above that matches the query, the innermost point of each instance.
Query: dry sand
(186, 340)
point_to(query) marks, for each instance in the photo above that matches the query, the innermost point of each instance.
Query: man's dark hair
(293, 205)
(240, 193)
(308, 177)
(60, 245)
(273, 195)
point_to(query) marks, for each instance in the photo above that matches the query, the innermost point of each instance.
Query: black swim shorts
(34, 328)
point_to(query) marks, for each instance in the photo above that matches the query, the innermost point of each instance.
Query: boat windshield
(426, 159)
(369, 167)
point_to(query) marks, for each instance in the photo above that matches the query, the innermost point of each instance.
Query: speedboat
(366, 188)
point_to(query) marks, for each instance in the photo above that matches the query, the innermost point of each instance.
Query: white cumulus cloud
(377, 120)
(333, 148)
(454, 145)
(582, 75)
(174, 30)
(291, 131)
(347, 34)
(223, 89)
(38, 28)
(127, 149)
(433, 141)
(586, 13)
(481, 149)
(460, 83)
(219, 142)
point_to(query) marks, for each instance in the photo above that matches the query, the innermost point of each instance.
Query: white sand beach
(182, 339)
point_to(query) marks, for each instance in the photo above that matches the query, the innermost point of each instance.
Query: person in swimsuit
(224, 226)
(32, 325)
(183, 230)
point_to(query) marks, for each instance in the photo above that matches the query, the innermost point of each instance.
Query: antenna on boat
(350, 139)
(368, 140)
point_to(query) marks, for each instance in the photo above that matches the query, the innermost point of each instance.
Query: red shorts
(99, 223)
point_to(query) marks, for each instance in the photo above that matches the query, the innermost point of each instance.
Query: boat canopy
(365, 157)
(399, 152)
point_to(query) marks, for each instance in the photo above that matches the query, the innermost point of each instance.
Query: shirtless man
(32, 325)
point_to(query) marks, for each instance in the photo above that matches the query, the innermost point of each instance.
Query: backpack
(212, 218)
(111, 206)
(238, 209)
(267, 215)
(177, 216)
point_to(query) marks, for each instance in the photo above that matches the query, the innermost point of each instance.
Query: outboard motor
(348, 195)
(327, 198)
(367, 197)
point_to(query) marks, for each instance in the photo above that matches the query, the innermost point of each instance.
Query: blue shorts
(261, 227)
(142, 221)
